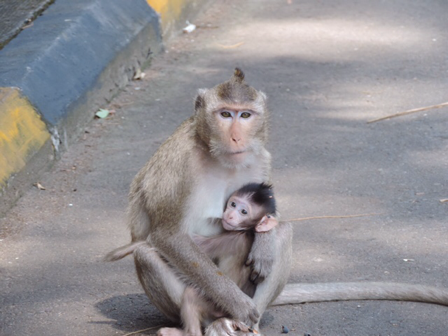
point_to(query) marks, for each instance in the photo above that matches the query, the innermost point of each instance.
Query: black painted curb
(77, 55)
(72, 61)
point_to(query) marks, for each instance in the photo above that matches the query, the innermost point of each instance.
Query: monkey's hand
(261, 256)
(241, 307)
(224, 326)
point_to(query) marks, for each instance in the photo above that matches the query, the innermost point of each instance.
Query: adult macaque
(249, 210)
(183, 188)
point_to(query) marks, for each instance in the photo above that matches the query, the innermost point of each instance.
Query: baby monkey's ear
(266, 224)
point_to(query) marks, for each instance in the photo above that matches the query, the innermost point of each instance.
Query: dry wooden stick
(399, 114)
(230, 46)
(140, 331)
(325, 217)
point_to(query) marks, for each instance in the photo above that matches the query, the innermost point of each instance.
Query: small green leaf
(102, 113)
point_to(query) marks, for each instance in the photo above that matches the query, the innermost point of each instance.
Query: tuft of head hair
(238, 75)
(261, 194)
(236, 90)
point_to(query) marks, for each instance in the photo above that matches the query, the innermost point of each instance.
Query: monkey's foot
(170, 332)
(225, 326)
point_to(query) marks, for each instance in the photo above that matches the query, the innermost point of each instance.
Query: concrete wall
(57, 73)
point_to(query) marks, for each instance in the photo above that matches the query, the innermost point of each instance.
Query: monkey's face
(232, 119)
(234, 137)
(240, 214)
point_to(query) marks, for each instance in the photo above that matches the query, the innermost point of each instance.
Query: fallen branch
(409, 112)
(326, 217)
(143, 330)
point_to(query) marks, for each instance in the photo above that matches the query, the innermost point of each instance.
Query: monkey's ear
(266, 223)
(199, 103)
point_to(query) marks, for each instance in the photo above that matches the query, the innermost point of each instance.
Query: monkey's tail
(123, 251)
(346, 291)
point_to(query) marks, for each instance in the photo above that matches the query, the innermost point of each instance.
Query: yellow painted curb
(169, 10)
(22, 133)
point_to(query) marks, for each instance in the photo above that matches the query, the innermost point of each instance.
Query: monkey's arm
(261, 256)
(184, 254)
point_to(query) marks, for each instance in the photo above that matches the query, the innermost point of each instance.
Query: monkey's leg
(271, 287)
(191, 310)
(225, 326)
(170, 332)
(193, 306)
(161, 284)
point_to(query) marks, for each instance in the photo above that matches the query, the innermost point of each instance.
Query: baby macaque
(250, 209)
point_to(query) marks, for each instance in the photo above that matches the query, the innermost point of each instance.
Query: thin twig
(230, 46)
(140, 331)
(409, 112)
(325, 217)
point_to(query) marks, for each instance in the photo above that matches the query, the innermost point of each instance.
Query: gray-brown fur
(161, 199)
(230, 251)
(236, 90)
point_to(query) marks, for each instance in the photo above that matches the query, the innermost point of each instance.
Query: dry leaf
(189, 28)
(102, 113)
(139, 75)
(39, 186)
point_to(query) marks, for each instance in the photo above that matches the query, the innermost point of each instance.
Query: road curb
(57, 73)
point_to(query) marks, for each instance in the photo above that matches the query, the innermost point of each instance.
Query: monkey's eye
(226, 114)
(244, 212)
(233, 205)
(245, 115)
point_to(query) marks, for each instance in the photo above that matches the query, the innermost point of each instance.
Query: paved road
(327, 67)
(15, 15)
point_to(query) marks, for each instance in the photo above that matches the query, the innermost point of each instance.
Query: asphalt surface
(18, 15)
(327, 67)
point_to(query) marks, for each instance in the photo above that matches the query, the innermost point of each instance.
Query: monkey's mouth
(225, 225)
(229, 227)
(238, 152)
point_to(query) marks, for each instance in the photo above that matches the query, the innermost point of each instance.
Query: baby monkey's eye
(226, 114)
(244, 212)
(245, 115)
(233, 205)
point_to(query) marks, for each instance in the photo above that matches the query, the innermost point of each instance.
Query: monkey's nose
(236, 139)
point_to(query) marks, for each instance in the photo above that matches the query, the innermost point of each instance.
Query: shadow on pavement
(132, 312)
